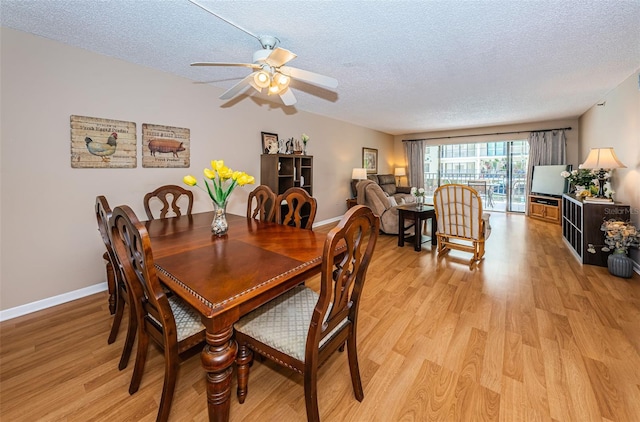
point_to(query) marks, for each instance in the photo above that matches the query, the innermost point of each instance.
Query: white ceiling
(402, 66)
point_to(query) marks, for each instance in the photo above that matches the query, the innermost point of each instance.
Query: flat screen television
(547, 181)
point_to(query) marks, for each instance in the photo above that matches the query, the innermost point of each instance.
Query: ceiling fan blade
(310, 77)
(287, 97)
(250, 65)
(279, 56)
(237, 88)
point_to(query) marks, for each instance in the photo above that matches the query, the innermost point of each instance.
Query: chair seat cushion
(487, 225)
(187, 319)
(283, 323)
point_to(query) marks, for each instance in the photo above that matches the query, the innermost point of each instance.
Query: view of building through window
(497, 170)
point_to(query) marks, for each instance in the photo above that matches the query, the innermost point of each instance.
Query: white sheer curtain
(414, 156)
(546, 147)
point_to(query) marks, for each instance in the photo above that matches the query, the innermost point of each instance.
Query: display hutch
(283, 171)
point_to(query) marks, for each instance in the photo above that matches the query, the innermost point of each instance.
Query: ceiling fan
(269, 70)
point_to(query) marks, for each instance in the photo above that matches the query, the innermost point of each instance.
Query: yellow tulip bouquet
(223, 181)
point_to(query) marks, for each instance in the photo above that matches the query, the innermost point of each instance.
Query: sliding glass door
(496, 169)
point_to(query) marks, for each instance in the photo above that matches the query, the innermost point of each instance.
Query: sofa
(371, 194)
(401, 194)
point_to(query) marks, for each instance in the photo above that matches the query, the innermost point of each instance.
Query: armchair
(371, 195)
(461, 223)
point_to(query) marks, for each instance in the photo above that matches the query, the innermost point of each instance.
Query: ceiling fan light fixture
(282, 80)
(274, 89)
(262, 79)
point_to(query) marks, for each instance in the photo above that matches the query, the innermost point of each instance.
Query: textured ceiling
(402, 66)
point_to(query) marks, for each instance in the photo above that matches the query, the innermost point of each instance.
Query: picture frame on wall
(370, 160)
(269, 139)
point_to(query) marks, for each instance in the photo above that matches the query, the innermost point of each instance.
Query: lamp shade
(359, 174)
(400, 172)
(602, 158)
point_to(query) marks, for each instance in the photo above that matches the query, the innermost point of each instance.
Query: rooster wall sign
(102, 143)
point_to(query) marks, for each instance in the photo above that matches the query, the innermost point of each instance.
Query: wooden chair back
(169, 195)
(295, 207)
(154, 309)
(103, 214)
(118, 293)
(265, 204)
(459, 217)
(333, 315)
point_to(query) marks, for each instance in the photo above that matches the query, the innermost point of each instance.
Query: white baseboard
(101, 287)
(77, 294)
(331, 220)
(51, 301)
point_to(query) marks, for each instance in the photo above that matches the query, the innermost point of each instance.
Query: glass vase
(419, 202)
(219, 225)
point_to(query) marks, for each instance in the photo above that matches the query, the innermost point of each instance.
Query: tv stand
(545, 208)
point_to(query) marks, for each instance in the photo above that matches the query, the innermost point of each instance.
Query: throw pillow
(392, 201)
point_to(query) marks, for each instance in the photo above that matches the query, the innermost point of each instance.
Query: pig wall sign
(165, 146)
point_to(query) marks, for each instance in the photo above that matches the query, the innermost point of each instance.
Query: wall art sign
(102, 143)
(370, 160)
(165, 146)
(269, 143)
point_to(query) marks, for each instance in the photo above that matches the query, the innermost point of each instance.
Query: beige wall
(48, 234)
(617, 124)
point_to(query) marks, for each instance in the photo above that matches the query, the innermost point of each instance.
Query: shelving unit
(581, 226)
(545, 208)
(283, 171)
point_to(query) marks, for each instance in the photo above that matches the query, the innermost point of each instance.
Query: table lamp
(357, 174)
(399, 173)
(601, 159)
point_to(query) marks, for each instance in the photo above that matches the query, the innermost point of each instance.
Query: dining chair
(461, 222)
(265, 203)
(169, 196)
(167, 320)
(302, 328)
(295, 207)
(118, 292)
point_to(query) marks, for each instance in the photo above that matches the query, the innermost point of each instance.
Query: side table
(411, 212)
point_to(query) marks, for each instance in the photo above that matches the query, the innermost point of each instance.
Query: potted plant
(619, 237)
(581, 180)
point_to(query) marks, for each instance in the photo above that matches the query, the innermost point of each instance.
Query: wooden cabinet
(581, 224)
(283, 171)
(545, 208)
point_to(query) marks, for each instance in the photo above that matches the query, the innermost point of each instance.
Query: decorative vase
(304, 149)
(620, 264)
(219, 225)
(419, 202)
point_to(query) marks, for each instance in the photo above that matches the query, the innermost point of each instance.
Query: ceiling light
(282, 80)
(262, 79)
(274, 89)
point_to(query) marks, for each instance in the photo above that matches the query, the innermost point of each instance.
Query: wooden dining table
(226, 277)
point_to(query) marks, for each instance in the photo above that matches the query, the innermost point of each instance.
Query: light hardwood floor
(529, 335)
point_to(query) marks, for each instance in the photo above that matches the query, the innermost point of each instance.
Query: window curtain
(414, 157)
(546, 147)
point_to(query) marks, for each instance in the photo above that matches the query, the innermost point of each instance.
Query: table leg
(417, 234)
(217, 358)
(434, 229)
(400, 228)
